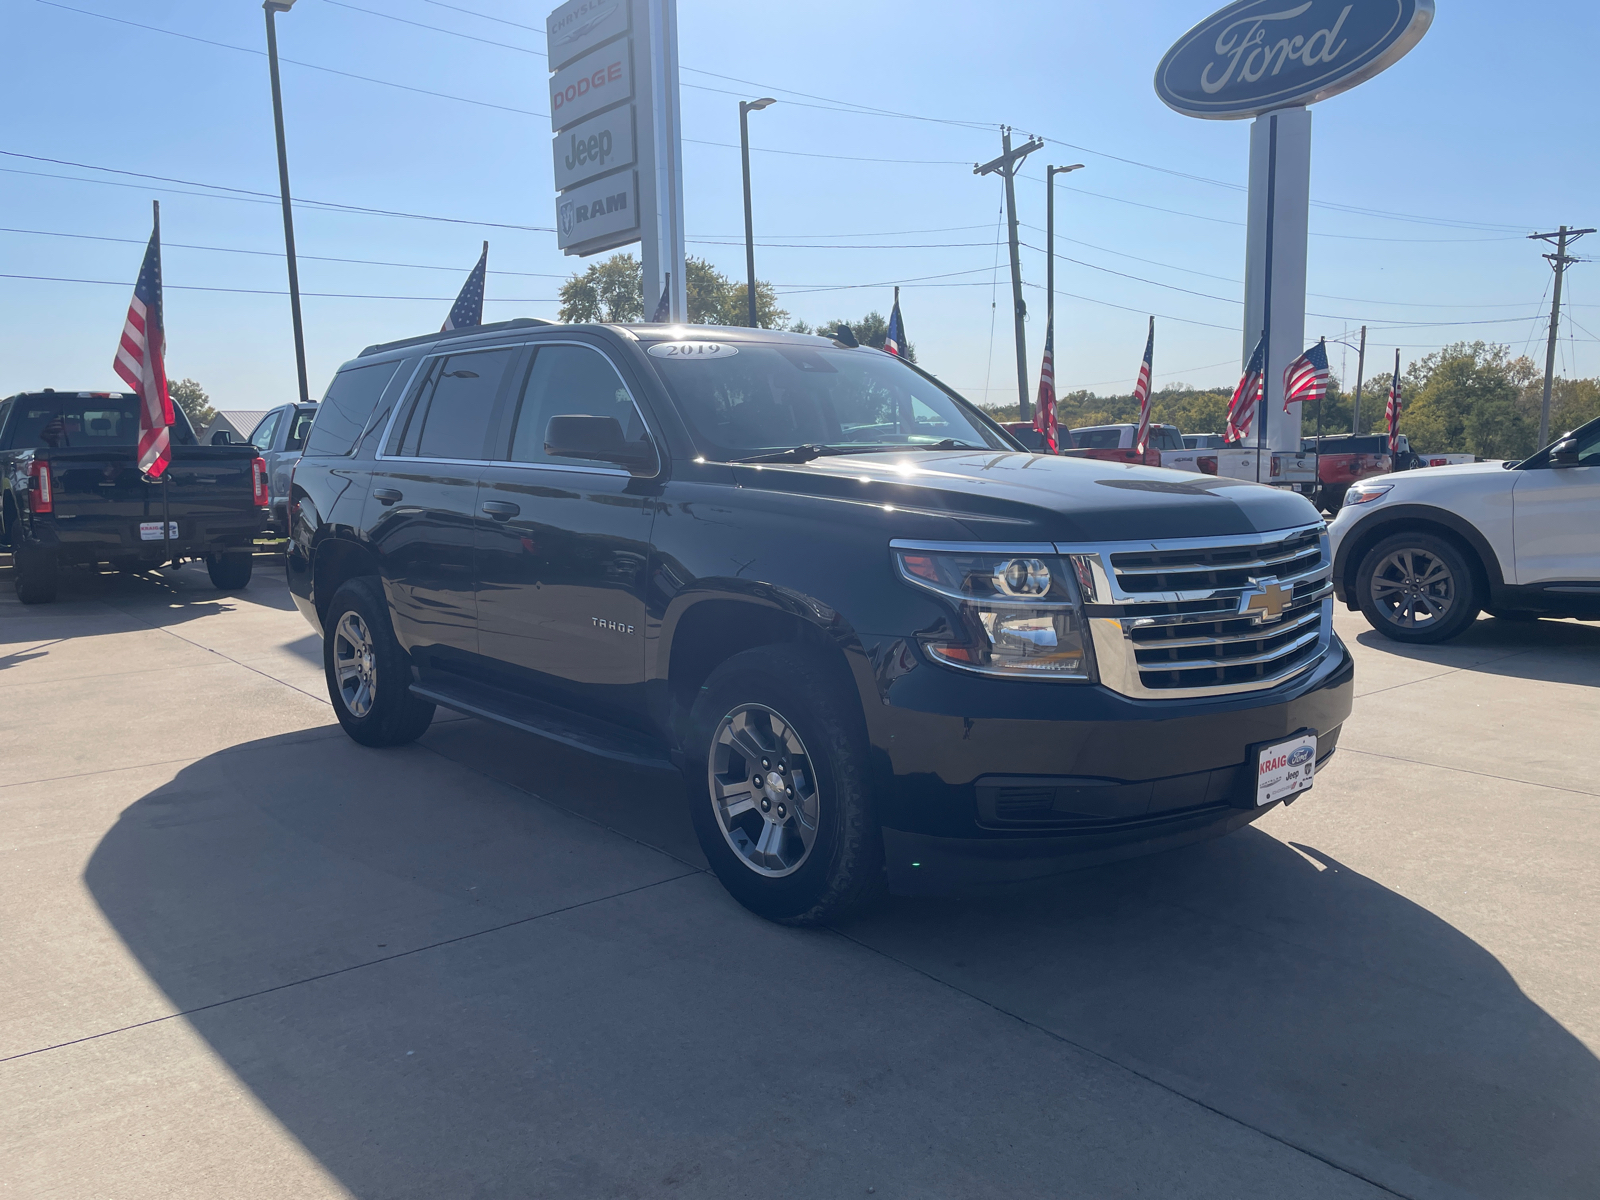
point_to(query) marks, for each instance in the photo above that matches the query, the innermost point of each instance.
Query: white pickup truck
(1421, 553)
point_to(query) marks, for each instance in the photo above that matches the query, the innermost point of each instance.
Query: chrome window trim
(427, 360)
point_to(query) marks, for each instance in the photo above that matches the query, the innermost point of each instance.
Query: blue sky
(1483, 133)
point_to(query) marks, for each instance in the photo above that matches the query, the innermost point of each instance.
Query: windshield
(754, 398)
(62, 420)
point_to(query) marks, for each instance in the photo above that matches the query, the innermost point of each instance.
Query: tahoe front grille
(1208, 616)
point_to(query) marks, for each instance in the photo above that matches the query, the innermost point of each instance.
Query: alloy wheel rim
(764, 791)
(1413, 589)
(355, 666)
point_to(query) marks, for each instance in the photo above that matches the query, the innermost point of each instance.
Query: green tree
(191, 397)
(1465, 398)
(610, 291)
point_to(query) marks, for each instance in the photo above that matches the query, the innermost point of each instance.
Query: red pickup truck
(1344, 458)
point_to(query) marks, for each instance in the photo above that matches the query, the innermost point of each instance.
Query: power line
(364, 262)
(189, 287)
(404, 87)
(832, 105)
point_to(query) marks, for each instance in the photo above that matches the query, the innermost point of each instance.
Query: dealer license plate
(150, 531)
(1285, 768)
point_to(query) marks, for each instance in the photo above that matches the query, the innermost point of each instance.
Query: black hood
(1014, 496)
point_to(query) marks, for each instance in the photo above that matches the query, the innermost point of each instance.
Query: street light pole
(746, 107)
(1050, 174)
(273, 8)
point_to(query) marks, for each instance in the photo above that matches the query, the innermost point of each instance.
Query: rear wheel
(229, 572)
(33, 569)
(369, 675)
(1417, 587)
(778, 788)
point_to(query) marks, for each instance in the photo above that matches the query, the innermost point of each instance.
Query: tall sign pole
(1006, 167)
(1268, 62)
(618, 148)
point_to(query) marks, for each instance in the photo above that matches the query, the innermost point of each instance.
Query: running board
(544, 720)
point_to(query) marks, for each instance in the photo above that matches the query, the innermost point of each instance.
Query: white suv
(1422, 552)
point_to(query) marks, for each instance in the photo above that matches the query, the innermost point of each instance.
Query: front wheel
(369, 675)
(778, 788)
(229, 572)
(1417, 587)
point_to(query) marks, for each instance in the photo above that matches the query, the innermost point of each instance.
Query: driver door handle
(386, 495)
(501, 510)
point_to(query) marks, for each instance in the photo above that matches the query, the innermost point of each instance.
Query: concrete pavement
(241, 956)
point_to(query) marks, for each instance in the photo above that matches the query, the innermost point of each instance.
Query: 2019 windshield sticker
(684, 351)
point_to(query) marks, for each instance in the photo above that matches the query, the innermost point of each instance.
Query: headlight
(1366, 495)
(1018, 614)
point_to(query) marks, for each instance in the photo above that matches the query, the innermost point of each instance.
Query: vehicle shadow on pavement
(443, 986)
(1553, 651)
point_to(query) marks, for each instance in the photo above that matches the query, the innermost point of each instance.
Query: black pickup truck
(71, 493)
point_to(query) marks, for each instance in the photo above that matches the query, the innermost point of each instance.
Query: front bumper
(1016, 780)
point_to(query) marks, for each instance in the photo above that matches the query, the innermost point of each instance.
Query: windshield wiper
(950, 444)
(794, 454)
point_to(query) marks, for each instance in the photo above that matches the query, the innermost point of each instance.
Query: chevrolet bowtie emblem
(1266, 601)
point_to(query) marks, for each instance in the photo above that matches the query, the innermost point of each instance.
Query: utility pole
(1006, 167)
(1361, 367)
(746, 107)
(1559, 260)
(273, 8)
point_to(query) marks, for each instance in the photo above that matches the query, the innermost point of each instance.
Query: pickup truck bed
(83, 500)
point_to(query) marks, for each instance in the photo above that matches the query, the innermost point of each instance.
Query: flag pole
(161, 331)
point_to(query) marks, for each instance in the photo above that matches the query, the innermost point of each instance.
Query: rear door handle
(501, 510)
(386, 495)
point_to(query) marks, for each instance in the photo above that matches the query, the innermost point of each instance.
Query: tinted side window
(300, 425)
(261, 436)
(1166, 438)
(343, 412)
(450, 417)
(569, 381)
(1096, 439)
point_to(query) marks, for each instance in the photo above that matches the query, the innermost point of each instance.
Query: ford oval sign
(1257, 55)
(1300, 757)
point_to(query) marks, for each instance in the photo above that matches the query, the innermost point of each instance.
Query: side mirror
(598, 439)
(1564, 453)
(222, 438)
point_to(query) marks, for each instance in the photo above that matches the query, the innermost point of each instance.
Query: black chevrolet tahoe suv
(884, 644)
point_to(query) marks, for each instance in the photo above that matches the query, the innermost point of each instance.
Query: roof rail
(494, 327)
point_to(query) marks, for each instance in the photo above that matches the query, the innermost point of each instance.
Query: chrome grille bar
(1131, 588)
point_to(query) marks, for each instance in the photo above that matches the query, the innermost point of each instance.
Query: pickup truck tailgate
(100, 495)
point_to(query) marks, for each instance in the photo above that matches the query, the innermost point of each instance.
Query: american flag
(1242, 408)
(139, 361)
(1306, 378)
(894, 341)
(1393, 411)
(1141, 389)
(1044, 411)
(468, 310)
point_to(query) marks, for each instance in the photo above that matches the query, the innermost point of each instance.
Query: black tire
(387, 714)
(230, 572)
(33, 569)
(1432, 599)
(1331, 499)
(841, 869)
